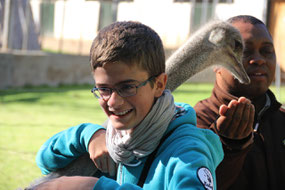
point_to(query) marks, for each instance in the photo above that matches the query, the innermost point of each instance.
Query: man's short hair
(245, 18)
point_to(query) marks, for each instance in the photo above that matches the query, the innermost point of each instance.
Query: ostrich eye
(237, 45)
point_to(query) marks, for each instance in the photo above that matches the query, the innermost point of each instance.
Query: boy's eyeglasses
(124, 90)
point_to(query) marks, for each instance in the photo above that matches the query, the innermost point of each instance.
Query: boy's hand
(99, 153)
(236, 119)
(70, 183)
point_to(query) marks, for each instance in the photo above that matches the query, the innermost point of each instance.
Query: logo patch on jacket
(179, 111)
(206, 178)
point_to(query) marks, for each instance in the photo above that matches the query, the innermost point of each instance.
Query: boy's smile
(125, 112)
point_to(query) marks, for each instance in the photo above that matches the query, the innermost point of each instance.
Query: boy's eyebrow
(121, 82)
(126, 81)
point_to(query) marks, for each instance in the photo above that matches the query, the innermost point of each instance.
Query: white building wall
(79, 19)
(171, 20)
(256, 8)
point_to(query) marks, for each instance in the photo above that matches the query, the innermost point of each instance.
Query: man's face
(259, 61)
(125, 112)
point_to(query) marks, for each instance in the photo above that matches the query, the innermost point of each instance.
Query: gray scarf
(143, 140)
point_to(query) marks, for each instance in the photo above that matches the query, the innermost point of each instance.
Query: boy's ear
(160, 84)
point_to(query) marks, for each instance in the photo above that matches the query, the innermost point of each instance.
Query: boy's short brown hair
(129, 42)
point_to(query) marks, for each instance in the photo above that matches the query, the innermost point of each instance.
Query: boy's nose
(115, 100)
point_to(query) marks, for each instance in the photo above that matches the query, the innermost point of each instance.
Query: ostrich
(217, 43)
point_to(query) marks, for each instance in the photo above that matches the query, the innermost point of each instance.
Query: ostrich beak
(238, 71)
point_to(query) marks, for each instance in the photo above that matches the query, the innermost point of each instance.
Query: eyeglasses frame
(116, 90)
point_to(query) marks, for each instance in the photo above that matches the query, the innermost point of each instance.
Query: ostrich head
(217, 43)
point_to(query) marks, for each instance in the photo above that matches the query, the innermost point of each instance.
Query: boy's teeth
(122, 113)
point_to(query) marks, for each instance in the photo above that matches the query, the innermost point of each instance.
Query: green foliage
(29, 116)
(192, 93)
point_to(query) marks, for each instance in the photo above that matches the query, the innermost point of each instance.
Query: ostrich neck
(193, 58)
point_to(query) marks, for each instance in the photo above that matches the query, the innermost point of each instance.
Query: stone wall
(37, 68)
(18, 69)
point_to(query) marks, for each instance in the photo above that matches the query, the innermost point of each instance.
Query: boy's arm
(61, 149)
(84, 183)
(99, 153)
(69, 182)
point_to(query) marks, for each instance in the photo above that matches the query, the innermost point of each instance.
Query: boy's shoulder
(184, 113)
(185, 133)
(185, 122)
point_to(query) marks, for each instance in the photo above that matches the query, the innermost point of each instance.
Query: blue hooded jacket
(187, 159)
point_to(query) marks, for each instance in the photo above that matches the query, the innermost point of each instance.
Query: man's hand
(236, 119)
(70, 183)
(99, 153)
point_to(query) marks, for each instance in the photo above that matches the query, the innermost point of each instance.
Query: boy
(155, 142)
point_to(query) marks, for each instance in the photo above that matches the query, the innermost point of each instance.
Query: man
(248, 118)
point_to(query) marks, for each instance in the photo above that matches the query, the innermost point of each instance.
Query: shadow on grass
(23, 100)
(34, 94)
(39, 89)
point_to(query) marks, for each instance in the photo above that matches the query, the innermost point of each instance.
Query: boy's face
(127, 112)
(259, 61)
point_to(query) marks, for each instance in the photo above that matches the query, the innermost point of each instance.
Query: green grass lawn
(29, 116)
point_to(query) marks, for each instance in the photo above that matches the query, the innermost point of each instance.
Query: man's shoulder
(201, 103)
(206, 106)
